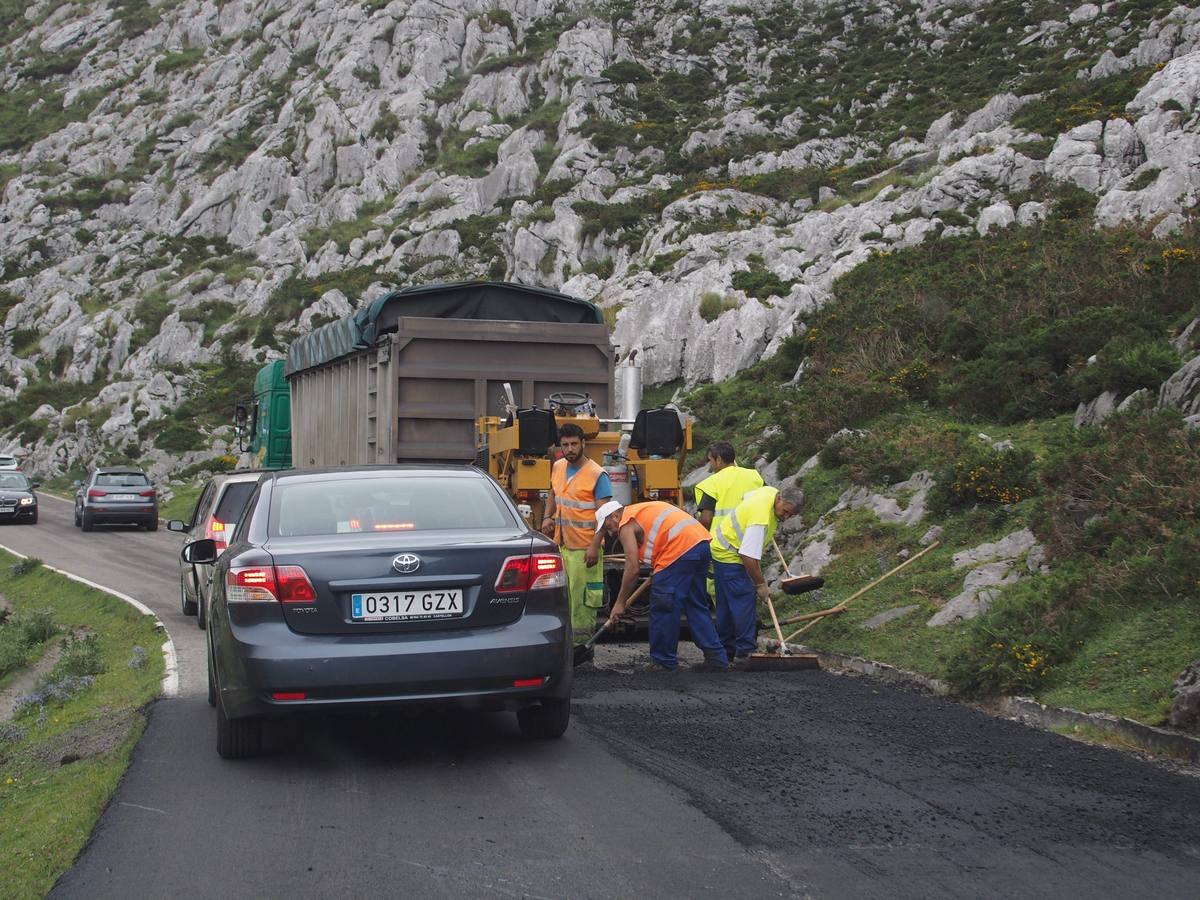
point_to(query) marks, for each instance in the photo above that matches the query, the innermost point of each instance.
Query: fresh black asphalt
(685, 785)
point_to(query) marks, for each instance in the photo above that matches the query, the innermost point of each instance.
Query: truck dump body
(393, 387)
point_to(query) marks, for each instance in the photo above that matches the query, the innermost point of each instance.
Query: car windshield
(380, 505)
(233, 501)
(13, 481)
(121, 479)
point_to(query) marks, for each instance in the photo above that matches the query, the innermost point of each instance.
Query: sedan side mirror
(201, 552)
(176, 525)
(77, 484)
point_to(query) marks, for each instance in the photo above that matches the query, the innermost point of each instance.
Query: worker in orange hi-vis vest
(578, 486)
(676, 548)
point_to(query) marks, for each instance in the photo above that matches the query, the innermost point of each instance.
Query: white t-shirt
(752, 541)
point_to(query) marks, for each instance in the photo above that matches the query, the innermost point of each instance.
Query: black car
(354, 588)
(116, 495)
(18, 502)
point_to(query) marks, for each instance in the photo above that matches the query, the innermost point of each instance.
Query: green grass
(48, 808)
(182, 502)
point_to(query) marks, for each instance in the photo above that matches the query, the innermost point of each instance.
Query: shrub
(1144, 179)
(178, 437)
(917, 380)
(79, 656)
(1126, 364)
(712, 305)
(983, 474)
(760, 282)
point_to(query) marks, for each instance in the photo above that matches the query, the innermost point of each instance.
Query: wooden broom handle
(841, 606)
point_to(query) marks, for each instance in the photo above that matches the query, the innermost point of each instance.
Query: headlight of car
(28, 501)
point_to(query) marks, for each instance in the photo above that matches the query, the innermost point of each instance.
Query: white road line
(170, 681)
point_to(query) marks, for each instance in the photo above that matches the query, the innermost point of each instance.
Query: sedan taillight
(95, 493)
(149, 493)
(259, 584)
(215, 532)
(531, 573)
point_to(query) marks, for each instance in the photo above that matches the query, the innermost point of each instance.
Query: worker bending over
(676, 547)
(737, 549)
(578, 485)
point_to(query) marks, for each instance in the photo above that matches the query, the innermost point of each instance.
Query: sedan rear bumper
(471, 668)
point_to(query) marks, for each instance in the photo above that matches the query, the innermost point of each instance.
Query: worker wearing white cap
(676, 547)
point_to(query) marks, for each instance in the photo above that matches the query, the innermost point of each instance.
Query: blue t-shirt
(603, 485)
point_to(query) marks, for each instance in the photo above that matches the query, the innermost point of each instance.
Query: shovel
(585, 651)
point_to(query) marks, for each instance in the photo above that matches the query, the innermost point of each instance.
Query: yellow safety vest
(757, 508)
(575, 502)
(728, 487)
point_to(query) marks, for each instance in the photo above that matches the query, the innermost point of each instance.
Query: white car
(8, 461)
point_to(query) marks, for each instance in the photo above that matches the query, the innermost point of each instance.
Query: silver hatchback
(217, 512)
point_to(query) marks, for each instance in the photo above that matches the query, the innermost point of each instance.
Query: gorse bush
(983, 474)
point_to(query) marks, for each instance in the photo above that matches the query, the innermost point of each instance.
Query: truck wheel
(547, 721)
(86, 523)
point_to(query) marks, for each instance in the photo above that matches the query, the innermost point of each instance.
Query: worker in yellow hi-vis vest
(737, 550)
(719, 493)
(578, 487)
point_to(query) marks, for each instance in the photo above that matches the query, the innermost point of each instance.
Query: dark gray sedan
(354, 588)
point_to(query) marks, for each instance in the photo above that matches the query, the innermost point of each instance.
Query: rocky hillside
(188, 185)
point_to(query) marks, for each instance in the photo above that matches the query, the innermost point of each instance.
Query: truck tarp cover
(490, 300)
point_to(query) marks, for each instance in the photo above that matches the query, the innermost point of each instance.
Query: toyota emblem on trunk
(406, 563)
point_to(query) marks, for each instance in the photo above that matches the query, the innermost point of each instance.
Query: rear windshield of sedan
(122, 479)
(13, 481)
(233, 502)
(382, 505)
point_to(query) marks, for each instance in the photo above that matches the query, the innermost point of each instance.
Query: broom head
(802, 584)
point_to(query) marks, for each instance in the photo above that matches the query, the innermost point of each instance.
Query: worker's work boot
(656, 668)
(710, 665)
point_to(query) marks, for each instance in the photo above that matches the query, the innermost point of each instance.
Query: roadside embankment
(80, 665)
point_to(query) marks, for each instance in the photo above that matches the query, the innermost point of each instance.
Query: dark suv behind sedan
(116, 495)
(354, 588)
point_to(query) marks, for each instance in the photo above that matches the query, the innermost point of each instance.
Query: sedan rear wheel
(201, 610)
(152, 525)
(86, 522)
(237, 738)
(549, 720)
(188, 606)
(78, 521)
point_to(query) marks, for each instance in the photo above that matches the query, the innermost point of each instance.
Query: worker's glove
(763, 592)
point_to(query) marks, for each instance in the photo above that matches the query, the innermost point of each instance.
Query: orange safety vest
(668, 532)
(575, 502)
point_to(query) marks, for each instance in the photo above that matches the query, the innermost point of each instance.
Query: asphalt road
(685, 785)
